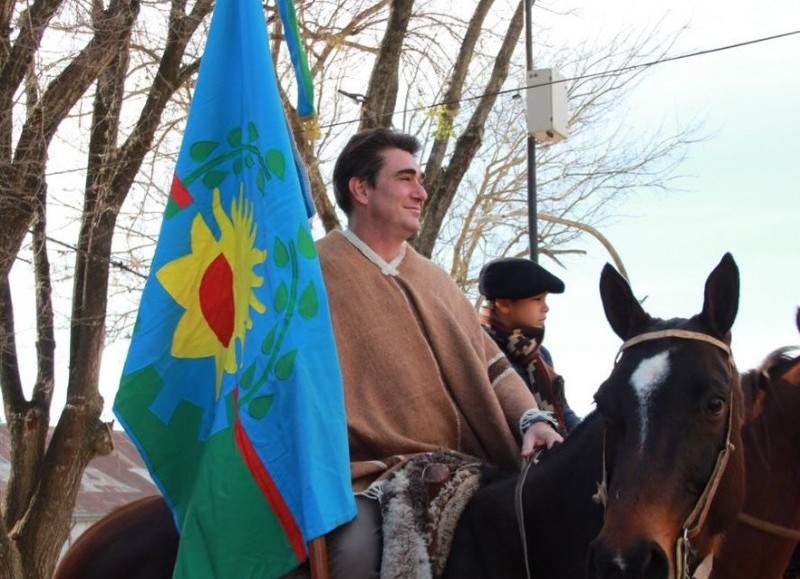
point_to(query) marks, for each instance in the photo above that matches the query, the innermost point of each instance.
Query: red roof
(108, 482)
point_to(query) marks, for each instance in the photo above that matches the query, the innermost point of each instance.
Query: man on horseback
(420, 374)
(513, 315)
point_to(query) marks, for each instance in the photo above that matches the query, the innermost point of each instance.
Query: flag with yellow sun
(232, 389)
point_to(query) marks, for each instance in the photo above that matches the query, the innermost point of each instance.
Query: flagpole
(318, 557)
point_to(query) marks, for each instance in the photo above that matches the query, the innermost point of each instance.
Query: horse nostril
(602, 563)
(645, 560)
(654, 562)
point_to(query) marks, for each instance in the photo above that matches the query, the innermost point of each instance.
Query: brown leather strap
(676, 333)
(772, 528)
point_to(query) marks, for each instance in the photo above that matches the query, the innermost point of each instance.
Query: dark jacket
(548, 387)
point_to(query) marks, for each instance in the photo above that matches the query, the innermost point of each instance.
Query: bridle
(771, 528)
(697, 517)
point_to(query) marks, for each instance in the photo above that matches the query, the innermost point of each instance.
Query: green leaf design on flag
(260, 181)
(240, 154)
(201, 150)
(285, 366)
(235, 137)
(247, 378)
(212, 179)
(289, 302)
(269, 341)
(308, 306)
(276, 162)
(252, 132)
(281, 298)
(280, 254)
(305, 243)
(260, 406)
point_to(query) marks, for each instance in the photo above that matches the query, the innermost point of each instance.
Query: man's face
(395, 203)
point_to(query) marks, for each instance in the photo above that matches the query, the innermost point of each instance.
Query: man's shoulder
(329, 239)
(331, 244)
(416, 260)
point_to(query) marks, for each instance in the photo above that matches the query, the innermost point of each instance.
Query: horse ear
(622, 309)
(722, 295)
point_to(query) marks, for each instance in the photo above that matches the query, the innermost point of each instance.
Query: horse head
(762, 541)
(672, 410)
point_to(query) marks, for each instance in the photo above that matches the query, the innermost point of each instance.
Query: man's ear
(503, 305)
(358, 190)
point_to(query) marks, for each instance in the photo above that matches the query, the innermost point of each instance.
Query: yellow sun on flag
(214, 284)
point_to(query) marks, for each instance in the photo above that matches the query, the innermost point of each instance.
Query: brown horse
(761, 543)
(657, 447)
(137, 540)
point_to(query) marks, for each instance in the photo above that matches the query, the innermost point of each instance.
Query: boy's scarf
(522, 345)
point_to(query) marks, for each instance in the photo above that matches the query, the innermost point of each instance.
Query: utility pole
(533, 212)
(547, 116)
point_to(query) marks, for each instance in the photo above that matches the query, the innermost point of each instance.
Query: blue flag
(232, 389)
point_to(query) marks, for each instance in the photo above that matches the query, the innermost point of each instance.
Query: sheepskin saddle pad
(420, 516)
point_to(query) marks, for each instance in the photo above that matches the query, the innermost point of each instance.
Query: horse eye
(715, 406)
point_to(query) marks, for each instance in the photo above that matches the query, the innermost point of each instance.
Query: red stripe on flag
(179, 193)
(267, 486)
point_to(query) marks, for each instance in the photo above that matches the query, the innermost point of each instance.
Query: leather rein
(771, 528)
(697, 517)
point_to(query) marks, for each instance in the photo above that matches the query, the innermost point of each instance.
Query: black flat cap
(514, 278)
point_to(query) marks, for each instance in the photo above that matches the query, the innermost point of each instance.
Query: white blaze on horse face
(646, 379)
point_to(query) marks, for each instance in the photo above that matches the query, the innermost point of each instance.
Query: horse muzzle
(643, 560)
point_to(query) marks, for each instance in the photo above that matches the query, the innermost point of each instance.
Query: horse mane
(779, 361)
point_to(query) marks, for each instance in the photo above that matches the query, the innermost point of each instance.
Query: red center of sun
(216, 299)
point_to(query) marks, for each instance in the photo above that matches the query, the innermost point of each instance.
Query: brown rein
(772, 528)
(696, 519)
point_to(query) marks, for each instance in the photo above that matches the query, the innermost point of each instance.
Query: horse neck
(770, 439)
(561, 487)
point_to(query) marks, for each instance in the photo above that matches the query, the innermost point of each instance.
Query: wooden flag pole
(318, 558)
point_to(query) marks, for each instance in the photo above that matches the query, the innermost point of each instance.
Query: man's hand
(539, 435)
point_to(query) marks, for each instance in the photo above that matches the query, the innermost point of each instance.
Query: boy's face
(530, 311)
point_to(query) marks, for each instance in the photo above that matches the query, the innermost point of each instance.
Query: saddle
(421, 503)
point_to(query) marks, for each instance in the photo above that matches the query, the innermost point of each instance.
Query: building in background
(108, 482)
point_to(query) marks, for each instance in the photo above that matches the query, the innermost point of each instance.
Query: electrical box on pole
(546, 102)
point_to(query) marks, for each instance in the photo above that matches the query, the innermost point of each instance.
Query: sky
(740, 193)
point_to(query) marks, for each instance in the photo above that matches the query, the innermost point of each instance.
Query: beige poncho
(420, 373)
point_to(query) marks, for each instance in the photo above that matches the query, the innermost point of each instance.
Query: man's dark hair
(362, 157)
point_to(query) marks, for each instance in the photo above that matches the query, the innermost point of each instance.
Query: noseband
(697, 517)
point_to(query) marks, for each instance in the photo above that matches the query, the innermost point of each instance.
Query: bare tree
(579, 181)
(45, 475)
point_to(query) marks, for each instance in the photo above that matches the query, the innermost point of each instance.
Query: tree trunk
(442, 190)
(381, 96)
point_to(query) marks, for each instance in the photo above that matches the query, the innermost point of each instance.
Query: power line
(611, 72)
(113, 262)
